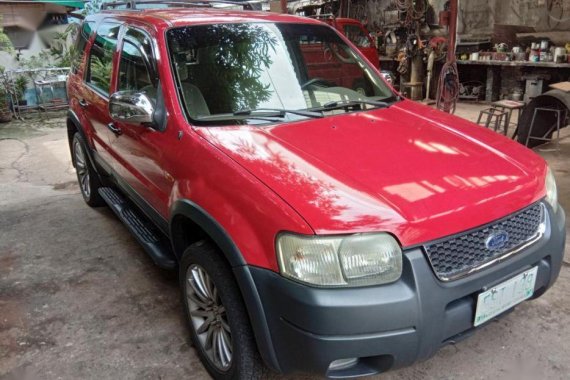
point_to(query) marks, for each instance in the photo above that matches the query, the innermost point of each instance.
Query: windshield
(356, 35)
(227, 71)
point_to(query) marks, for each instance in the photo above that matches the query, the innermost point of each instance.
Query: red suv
(315, 228)
(357, 34)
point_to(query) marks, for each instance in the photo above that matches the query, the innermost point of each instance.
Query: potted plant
(5, 114)
(20, 86)
(5, 46)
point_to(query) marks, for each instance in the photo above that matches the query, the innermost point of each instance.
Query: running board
(153, 241)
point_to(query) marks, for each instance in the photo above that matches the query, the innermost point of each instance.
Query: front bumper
(386, 326)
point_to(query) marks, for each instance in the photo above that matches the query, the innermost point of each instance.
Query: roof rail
(134, 4)
(324, 15)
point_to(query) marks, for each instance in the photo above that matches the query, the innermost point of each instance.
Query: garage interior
(79, 298)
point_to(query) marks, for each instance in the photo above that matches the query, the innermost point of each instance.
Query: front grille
(457, 256)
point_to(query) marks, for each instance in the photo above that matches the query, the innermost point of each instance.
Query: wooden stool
(509, 106)
(498, 115)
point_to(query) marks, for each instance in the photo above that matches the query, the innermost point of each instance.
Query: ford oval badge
(496, 240)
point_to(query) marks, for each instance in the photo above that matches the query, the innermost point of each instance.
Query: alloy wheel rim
(209, 318)
(81, 168)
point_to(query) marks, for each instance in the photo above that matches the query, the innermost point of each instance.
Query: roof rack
(324, 15)
(133, 4)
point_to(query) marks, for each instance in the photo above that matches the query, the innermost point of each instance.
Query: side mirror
(131, 107)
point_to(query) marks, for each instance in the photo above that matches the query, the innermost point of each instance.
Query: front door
(139, 149)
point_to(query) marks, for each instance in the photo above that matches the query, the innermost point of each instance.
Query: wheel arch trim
(244, 279)
(211, 227)
(72, 117)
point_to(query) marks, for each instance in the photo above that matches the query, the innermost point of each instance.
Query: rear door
(94, 95)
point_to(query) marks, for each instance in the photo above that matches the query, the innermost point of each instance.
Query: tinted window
(356, 35)
(136, 68)
(223, 69)
(101, 57)
(82, 39)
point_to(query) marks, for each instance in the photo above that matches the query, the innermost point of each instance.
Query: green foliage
(43, 59)
(237, 63)
(101, 72)
(8, 86)
(5, 43)
(94, 6)
(20, 86)
(4, 88)
(64, 53)
(3, 83)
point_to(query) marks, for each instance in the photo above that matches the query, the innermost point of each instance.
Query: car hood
(407, 169)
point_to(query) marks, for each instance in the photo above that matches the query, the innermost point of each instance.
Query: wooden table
(494, 68)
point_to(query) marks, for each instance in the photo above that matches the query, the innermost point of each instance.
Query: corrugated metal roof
(66, 3)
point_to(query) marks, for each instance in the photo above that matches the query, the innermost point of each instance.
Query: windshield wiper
(334, 105)
(231, 116)
(276, 112)
(266, 114)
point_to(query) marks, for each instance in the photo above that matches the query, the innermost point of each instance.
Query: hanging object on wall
(412, 10)
(444, 18)
(448, 88)
(430, 62)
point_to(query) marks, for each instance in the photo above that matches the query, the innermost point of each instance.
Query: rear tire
(87, 178)
(220, 329)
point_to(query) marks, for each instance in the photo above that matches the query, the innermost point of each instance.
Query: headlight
(354, 260)
(551, 191)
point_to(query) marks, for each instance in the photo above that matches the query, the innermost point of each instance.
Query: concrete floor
(79, 299)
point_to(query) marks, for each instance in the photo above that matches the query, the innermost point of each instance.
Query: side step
(152, 240)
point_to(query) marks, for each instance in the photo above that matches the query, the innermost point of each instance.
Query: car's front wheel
(86, 176)
(219, 324)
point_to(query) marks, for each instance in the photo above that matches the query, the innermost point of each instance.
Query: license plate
(504, 296)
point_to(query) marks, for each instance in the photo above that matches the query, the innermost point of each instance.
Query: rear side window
(100, 64)
(82, 39)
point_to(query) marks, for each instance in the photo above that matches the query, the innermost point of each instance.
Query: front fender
(209, 225)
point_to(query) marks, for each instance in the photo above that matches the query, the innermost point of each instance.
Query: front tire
(220, 329)
(88, 179)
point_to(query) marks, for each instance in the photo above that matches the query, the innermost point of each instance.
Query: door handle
(83, 103)
(116, 130)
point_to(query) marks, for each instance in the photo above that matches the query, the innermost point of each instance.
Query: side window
(356, 35)
(81, 43)
(137, 65)
(101, 57)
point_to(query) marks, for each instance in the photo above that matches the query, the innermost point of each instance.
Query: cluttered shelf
(514, 63)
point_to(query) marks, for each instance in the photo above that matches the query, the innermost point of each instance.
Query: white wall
(10, 62)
